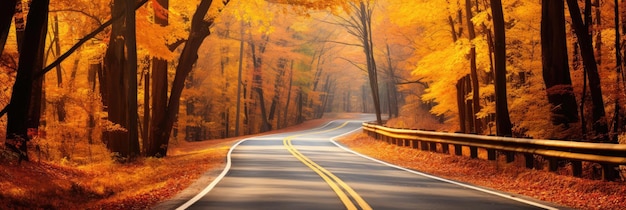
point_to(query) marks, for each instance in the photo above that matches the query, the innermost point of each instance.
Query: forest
(86, 81)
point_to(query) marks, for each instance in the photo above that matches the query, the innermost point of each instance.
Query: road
(306, 170)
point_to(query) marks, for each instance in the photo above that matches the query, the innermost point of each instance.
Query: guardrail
(608, 155)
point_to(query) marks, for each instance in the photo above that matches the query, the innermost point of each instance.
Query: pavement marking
(333, 140)
(226, 169)
(333, 181)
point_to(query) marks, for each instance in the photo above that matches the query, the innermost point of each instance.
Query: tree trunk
(239, 82)
(94, 68)
(20, 23)
(600, 126)
(617, 116)
(365, 17)
(59, 105)
(503, 122)
(7, 10)
(18, 114)
(121, 79)
(556, 74)
(258, 85)
(460, 100)
(152, 147)
(477, 128)
(285, 119)
(199, 31)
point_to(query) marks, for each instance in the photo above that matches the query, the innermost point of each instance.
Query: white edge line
(333, 140)
(215, 181)
(219, 178)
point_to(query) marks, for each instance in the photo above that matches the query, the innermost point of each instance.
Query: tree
(474, 121)
(556, 74)
(7, 10)
(152, 145)
(120, 77)
(503, 122)
(18, 110)
(189, 55)
(600, 126)
(360, 26)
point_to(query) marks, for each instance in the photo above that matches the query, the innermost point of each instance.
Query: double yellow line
(340, 187)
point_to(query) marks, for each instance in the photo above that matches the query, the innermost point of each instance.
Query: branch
(342, 43)
(354, 64)
(83, 40)
(176, 44)
(93, 17)
(413, 82)
(4, 110)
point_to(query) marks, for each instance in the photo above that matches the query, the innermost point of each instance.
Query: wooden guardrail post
(530, 161)
(491, 154)
(433, 146)
(553, 164)
(473, 152)
(445, 148)
(577, 168)
(424, 145)
(510, 156)
(458, 150)
(414, 144)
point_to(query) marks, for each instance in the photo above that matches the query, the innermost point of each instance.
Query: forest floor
(150, 182)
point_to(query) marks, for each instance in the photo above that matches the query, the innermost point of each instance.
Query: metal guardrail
(553, 150)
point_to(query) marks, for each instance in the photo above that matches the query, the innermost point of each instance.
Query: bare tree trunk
(556, 74)
(239, 82)
(477, 128)
(7, 10)
(258, 85)
(503, 122)
(365, 17)
(152, 147)
(199, 31)
(60, 105)
(18, 114)
(600, 126)
(285, 119)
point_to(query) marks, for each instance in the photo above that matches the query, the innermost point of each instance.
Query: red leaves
(565, 190)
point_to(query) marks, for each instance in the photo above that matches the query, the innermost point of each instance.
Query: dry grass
(514, 178)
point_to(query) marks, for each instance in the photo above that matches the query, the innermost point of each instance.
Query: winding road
(308, 170)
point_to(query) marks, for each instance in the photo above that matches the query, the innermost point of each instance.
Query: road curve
(307, 170)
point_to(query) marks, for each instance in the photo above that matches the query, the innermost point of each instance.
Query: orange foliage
(105, 184)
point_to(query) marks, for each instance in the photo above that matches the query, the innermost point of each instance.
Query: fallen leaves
(514, 178)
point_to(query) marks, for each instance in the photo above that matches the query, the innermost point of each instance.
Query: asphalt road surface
(307, 170)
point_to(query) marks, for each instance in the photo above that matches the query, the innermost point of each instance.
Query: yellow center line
(333, 181)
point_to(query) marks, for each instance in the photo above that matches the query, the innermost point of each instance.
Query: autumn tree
(120, 98)
(152, 146)
(18, 112)
(189, 55)
(360, 26)
(6, 16)
(599, 122)
(475, 122)
(555, 64)
(503, 122)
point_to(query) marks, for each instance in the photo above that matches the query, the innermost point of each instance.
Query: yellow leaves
(257, 14)
(155, 38)
(407, 12)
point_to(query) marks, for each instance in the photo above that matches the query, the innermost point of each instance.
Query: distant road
(306, 170)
